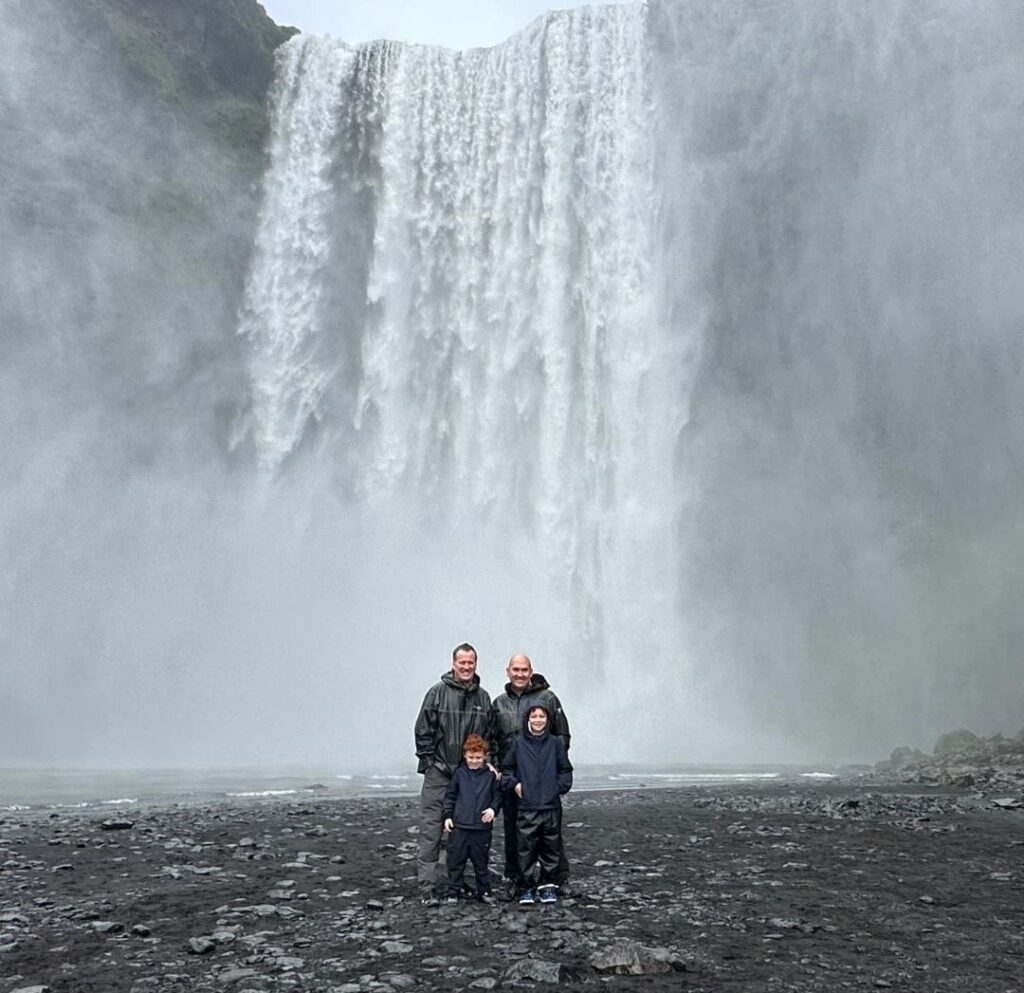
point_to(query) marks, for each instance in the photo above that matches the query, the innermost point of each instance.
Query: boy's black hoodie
(540, 763)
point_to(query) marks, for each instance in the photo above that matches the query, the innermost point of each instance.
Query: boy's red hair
(474, 743)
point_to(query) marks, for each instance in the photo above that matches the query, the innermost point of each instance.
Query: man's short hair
(465, 647)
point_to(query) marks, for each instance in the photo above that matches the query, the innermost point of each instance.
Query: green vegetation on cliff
(208, 63)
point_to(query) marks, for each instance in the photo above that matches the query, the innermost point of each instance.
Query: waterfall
(680, 315)
(676, 345)
(495, 330)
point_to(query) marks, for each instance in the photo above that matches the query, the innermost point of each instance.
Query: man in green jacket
(454, 708)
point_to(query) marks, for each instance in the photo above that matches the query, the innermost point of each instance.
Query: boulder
(953, 742)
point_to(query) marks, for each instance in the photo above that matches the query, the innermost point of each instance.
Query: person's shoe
(512, 889)
(429, 900)
(565, 889)
(547, 894)
(451, 901)
(526, 896)
(487, 897)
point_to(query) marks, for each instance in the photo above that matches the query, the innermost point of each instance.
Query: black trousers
(510, 816)
(540, 846)
(473, 846)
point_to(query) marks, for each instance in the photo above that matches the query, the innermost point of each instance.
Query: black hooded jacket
(509, 708)
(449, 714)
(469, 794)
(539, 762)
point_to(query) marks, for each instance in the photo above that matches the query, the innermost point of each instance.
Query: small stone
(106, 927)
(626, 957)
(398, 980)
(235, 975)
(537, 970)
(141, 931)
(201, 946)
(247, 842)
(117, 824)
(396, 948)
(484, 983)
(32, 989)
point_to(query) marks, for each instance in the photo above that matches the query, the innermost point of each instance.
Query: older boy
(472, 799)
(537, 770)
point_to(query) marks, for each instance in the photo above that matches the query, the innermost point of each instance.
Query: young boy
(537, 768)
(472, 799)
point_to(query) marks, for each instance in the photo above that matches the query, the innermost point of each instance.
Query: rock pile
(963, 759)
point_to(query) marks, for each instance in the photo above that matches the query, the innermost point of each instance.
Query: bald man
(524, 689)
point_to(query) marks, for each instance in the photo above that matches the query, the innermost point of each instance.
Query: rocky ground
(776, 887)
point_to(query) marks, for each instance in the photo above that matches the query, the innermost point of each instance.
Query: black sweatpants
(540, 846)
(473, 845)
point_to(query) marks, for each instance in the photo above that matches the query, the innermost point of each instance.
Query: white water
(678, 347)
(509, 378)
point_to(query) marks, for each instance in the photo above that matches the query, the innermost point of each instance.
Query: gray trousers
(431, 868)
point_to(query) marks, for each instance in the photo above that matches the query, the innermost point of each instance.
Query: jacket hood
(537, 682)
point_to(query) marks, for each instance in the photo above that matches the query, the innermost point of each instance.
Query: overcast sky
(452, 23)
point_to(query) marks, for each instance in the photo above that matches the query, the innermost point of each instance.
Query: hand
(487, 816)
(449, 824)
(519, 790)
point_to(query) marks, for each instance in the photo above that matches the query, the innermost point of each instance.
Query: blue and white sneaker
(526, 896)
(547, 894)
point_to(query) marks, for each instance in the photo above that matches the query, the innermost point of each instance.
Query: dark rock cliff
(134, 145)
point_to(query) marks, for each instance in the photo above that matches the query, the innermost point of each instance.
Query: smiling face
(519, 671)
(475, 759)
(537, 720)
(464, 666)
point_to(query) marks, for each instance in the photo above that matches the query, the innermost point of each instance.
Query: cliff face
(205, 65)
(131, 186)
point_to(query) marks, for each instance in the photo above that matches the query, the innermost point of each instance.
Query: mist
(676, 346)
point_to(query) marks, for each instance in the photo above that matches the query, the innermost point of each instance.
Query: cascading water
(499, 368)
(676, 345)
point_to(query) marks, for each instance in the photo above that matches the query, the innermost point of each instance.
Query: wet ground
(729, 888)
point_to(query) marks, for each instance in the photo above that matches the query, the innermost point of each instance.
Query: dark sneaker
(451, 900)
(565, 889)
(526, 896)
(429, 900)
(487, 897)
(547, 894)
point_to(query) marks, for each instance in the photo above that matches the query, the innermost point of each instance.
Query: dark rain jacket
(509, 709)
(469, 794)
(450, 712)
(540, 763)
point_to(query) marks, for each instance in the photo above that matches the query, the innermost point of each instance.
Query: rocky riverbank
(784, 886)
